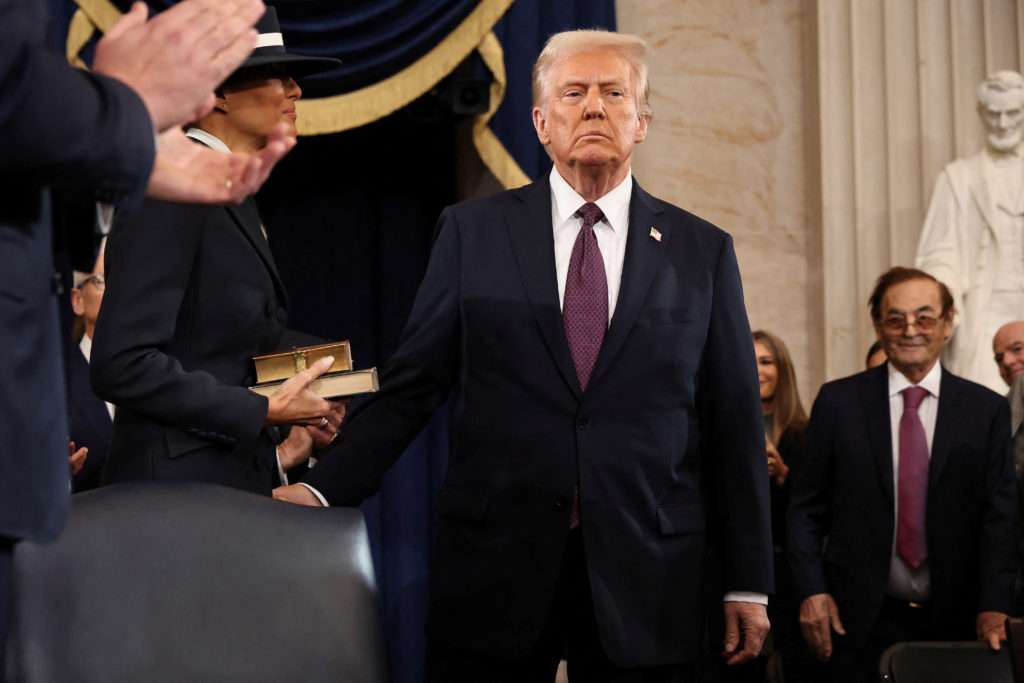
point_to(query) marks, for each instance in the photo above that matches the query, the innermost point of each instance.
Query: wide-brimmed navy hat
(270, 50)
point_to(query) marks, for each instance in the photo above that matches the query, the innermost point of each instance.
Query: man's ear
(77, 305)
(540, 124)
(641, 129)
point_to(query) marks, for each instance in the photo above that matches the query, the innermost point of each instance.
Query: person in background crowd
(90, 419)
(93, 132)
(1008, 347)
(192, 295)
(903, 519)
(876, 355)
(785, 425)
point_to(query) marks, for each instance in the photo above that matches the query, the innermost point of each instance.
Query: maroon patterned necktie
(585, 305)
(585, 309)
(911, 541)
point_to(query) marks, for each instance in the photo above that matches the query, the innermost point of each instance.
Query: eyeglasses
(897, 323)
(97, 280)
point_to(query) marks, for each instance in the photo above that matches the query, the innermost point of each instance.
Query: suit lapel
(644, 257)
(247, 218)
(876, 401)
(533, 244)
(945, 426)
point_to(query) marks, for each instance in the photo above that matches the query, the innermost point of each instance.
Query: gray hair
(568, 43)
(1001, 82)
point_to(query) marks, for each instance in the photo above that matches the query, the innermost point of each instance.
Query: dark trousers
(6, 594)
(897, 622)
(570, 632)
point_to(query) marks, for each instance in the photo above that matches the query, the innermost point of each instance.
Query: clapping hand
(174, 61)
(188, 172)
(777, 468)
(76, 458)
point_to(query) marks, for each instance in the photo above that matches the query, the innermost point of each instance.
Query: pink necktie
(585, 308)
(911, 541)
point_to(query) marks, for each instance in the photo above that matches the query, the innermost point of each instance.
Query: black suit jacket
(666, 443)
(192, 294)
(844, 492)
(89, 422)
(58, 126)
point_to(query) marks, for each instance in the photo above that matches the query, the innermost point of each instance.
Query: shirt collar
(208, 139)
(86, 346)
(614, 204)
(898, 381)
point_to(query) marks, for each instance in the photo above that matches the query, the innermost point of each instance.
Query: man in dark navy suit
(93, 132)
(902, 524)
(607, 460)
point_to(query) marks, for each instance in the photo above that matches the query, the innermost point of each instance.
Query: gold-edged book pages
(332, 384)
(276, 367)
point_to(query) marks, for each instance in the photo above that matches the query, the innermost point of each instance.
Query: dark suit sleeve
(732, 434)
(998, 543)
(415, 381)
(149, 260)
(809, 507)
(62, 126)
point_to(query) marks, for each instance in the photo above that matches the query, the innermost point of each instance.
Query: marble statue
(973, 237)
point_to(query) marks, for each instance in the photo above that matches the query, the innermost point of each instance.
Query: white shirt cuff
(743, 596)
(280, 469)
(323, 501)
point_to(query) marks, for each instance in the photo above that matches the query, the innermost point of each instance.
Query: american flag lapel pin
(655, 234)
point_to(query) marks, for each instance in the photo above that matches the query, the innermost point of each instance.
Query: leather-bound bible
(274, 369)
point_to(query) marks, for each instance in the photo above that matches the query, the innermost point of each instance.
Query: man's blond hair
(568, 43)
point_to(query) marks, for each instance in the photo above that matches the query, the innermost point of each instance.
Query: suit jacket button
(583, 423)
(282, 316)
(560, 503)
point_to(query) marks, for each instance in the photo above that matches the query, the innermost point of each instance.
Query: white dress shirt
(611, 234)
(906, 583)
(610, 231)
(86, 347)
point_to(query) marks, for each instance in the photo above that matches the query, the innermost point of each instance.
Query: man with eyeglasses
(90, 419)
(903, 520)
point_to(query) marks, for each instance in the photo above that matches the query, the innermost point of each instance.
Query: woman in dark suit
(192, 294)
(785, 425)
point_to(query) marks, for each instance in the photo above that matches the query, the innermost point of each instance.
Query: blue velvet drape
(522, 33)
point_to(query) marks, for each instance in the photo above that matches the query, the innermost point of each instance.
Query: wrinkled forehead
(912, 296)
(603, 66)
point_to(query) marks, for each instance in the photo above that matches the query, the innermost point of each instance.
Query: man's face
(588, 112)
(1008, 346)
(912, 328)
(88, 296)
(1003, 115)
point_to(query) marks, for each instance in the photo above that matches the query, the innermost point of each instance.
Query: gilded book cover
(276, 367)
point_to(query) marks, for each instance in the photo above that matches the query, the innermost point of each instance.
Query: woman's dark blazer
(192, 294)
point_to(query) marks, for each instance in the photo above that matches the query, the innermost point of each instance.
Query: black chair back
(163, 581)
(945, 662)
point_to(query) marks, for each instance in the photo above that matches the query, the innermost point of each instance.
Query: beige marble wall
(728, 143)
